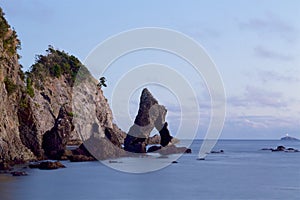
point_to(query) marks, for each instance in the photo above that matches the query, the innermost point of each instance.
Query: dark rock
(221, 151)
(47, 165)
(34, 165)
(150, 115)
(81, 158)
(291, 150)
(188, 150)
(115, 135)
(153, 149)
(17, 173)
(165, 135)
(55, 140)
(5, 166)
(279, 148)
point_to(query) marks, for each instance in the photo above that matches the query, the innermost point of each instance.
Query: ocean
(243, 171)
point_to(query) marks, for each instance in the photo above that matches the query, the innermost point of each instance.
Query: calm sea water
(242, 172)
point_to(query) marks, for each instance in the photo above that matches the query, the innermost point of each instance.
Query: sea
(243, 171)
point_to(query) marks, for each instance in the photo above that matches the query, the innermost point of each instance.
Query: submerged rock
(19, 173)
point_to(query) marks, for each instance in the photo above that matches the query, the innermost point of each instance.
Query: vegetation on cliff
(54, 65)
(36, 106)
(8, 36)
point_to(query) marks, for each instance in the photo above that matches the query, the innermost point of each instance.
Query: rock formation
(11, 83)
(37, 116)
(150, 115)
(55, 140)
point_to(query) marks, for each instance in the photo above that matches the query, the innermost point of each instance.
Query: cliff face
(46, 113)
(11, 85)
(36, 120)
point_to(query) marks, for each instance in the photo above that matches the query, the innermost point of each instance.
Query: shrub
(29, 88)
(9, 86)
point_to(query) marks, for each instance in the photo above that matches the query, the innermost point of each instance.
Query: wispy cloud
(262, 52)
(267, 76)
(261, 122)
(257, 97)
(270, 25)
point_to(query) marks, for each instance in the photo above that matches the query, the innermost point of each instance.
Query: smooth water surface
(242, 172)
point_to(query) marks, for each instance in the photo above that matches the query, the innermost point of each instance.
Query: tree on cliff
(102, 81)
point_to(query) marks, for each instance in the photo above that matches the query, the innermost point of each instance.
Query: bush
(29, 88)
(55, 64)
(57, 71)
(9, 86)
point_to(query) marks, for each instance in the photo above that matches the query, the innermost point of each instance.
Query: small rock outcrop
(47, 165)
(281, 149)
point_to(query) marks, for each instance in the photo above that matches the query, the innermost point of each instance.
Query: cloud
(270, 25)
(257, 97)
(262, 121)
(270, 54)
(206, 33)
(267, 76)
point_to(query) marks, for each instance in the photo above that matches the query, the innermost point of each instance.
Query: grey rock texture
(11, 145)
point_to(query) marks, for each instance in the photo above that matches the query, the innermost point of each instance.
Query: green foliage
(102, 81)
(24, 103)
(70, 114)
(55, 64)
(56, 70)
(9, 37)
(9, 86)
(29, 88)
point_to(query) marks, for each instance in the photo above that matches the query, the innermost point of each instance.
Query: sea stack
(150, 115)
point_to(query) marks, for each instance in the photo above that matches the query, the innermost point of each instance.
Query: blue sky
(254, 44)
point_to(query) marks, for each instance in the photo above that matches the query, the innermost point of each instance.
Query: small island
(289, 138)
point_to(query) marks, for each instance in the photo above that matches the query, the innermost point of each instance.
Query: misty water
(242, 172)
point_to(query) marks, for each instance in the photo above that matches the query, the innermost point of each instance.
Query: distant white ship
(287, 137)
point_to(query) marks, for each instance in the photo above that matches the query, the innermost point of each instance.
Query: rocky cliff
(36, 120)
(11, 84)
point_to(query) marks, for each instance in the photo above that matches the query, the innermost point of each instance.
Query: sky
(254, 45)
